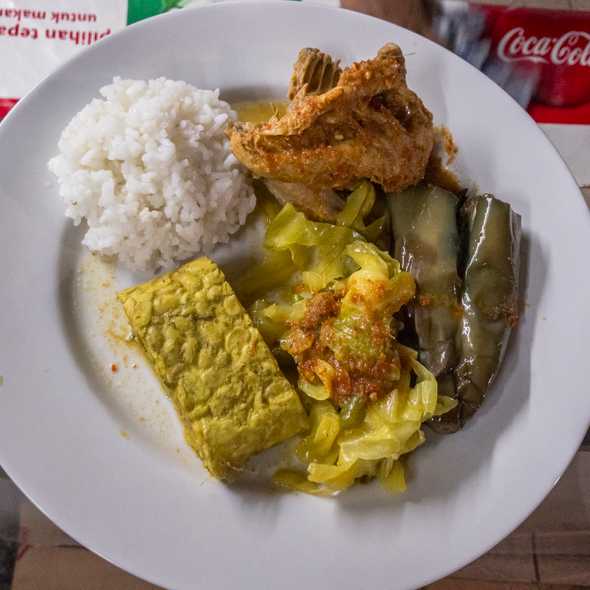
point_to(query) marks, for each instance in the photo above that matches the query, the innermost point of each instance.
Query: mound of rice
(150, 170)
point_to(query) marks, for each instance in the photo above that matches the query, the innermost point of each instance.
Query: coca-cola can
(555, 43)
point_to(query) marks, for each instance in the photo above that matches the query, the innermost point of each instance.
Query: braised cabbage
(356, 436)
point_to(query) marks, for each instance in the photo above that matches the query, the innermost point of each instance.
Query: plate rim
(13, 471)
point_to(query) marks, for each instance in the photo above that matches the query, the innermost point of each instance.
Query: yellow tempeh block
(224, 381)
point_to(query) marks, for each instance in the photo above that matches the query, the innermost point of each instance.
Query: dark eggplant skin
(490, 296)
(461, 327)
(426, 243)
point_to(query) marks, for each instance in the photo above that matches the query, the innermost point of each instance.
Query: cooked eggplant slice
(424, 224)
(490, 296)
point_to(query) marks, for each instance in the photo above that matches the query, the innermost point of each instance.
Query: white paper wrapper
(38, 35)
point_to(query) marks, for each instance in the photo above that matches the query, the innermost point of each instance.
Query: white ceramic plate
(102, 453)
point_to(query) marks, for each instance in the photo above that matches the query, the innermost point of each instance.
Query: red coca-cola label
(554, 47)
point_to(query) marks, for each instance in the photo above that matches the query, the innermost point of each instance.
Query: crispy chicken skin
(370, 125)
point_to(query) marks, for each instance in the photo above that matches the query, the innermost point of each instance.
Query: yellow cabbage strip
(274, 272)
(325, 428)
(300, 252)
(362, 438)
(272, 319)
(296, 481)
(290, 227)
(392, 476)
(358, 205)
(337, 456)
(314, 391)
(298, 249)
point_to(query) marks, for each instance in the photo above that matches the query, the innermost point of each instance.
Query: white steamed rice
(150, 170)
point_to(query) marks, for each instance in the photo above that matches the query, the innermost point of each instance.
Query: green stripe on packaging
(140, 9)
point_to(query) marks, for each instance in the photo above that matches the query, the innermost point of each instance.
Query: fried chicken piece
(370, 125)
(314, 70)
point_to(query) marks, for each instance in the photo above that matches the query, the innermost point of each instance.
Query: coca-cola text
(571, 48)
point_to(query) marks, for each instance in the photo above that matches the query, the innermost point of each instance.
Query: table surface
(550, 550)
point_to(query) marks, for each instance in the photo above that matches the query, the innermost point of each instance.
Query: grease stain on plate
(113, 363)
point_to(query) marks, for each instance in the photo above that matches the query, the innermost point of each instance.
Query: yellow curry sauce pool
(259, 111)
